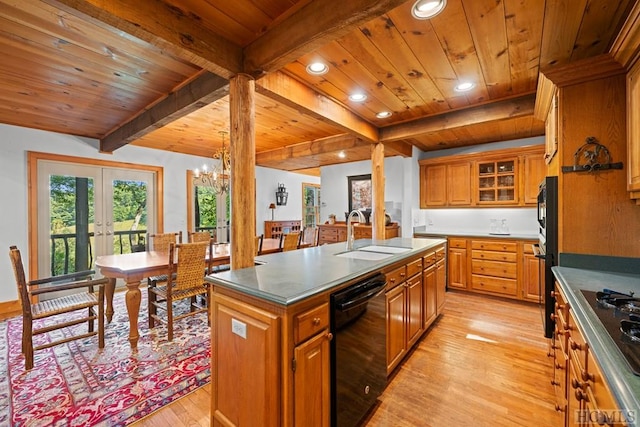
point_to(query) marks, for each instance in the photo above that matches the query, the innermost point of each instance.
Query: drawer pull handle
(586, 376)
(574, 345)
(329, 336)
(316, 321)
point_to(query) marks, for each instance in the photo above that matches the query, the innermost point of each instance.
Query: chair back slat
(310, 236)
(160, 242)
(188, 260)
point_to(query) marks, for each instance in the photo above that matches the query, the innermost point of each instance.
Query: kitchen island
(271, 330)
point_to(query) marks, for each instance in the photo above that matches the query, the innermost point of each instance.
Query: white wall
(267, 181)
(400, 174)
(17, 141)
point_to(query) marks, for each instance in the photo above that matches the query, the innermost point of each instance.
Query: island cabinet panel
(441, 279)
(415, 321)
(247, 342)
(396, 326)
(430, 295)
(311, 396)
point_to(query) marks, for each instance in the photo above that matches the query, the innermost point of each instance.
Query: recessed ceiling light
(383, 114)
(425, 9)
(463, 87)
(357, 97)
(317, 68)
(342, 155)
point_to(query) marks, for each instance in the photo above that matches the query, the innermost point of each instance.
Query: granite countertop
(624, 385)
(433, 233)
(289, 277)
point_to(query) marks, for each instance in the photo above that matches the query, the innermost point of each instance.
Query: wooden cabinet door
(430, 295)
(633, 129)
(246, 347)
(535, 169)
(458, 268)
(414, 309)
(531, 278)
(441, 285)
(396, 331)
(311, 382)
(551, 130)
(459, 184)
(433, 185)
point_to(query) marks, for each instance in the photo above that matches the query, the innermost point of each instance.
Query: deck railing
(125, 242)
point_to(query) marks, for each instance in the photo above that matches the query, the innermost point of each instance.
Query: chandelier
(217, 176)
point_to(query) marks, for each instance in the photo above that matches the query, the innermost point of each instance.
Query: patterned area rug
(74, 384)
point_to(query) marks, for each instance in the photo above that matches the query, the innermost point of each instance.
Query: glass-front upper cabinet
(497, 182)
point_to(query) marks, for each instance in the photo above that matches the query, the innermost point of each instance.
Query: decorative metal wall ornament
(591, 157)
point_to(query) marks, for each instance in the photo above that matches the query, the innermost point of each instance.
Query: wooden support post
(243, 170)
(377, 183)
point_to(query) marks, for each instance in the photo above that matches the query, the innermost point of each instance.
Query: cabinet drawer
(458, 243)
(311, 322)
(505, 270)
(494, 245)
(440, 253)
(327, 232)
(494, 256)
(494, 284)
(429, 259)
(528, 247)
(395, 277)
(414, 267)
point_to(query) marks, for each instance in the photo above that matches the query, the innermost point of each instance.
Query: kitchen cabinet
(275, 229)
(446, 185)
(457, 263)
(332, 233)
(497, 182)
(551, 130)
(434, 285)
(441, 279)
(581, 391)
(633, 132)
(530, 274)
(508, 177)
(493, 267)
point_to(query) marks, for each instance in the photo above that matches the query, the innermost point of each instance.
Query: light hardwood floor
(483, 363)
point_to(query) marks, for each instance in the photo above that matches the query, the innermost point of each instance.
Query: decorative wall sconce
(281, 195)
(272, 206)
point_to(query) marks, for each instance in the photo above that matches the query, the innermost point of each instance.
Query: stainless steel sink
(369, 256)
(384, 249)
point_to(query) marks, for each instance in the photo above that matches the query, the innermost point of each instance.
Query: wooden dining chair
(68, 305)
(160, 242)
(186, 264)
(259, 240)
(310, 236)
(198, 236)
(290, 241)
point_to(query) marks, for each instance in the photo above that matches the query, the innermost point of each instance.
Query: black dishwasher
(358, 350)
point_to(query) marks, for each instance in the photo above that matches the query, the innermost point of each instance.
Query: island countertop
(289, 277)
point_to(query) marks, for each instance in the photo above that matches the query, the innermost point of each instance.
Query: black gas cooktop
(620, 315)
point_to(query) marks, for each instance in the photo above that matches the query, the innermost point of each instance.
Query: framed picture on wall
(359, 190)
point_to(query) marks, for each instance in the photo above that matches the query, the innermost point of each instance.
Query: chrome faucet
(350, 237)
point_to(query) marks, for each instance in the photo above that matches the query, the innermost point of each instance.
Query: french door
(85, 211)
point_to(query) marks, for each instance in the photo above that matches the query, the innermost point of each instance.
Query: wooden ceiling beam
(510, 108)
(205, 89)
(400, 148)
(163, 25)
(332, 144)
(291, 92)
(311, 27)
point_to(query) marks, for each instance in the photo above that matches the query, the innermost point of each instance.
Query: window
(310, 204)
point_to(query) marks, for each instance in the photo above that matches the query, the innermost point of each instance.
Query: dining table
(136, 266)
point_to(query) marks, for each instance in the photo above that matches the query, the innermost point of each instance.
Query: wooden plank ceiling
(154, 73)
